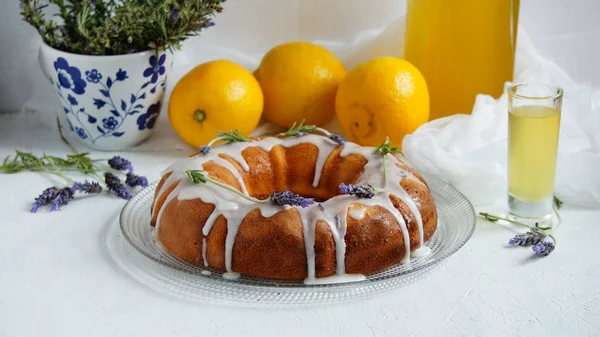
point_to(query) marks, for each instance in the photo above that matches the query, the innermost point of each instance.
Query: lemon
(215, 96)
(299, 81)
(383, 97)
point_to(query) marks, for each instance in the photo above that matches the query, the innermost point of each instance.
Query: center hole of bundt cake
(328, 188)
(296, 168)
(320, 193)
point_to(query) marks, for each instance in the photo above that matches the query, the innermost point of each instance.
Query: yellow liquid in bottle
(532, 148)
(462, 48)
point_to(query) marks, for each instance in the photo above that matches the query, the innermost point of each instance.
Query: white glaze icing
(357, 213)
(334, 211)
(346, 278)
(204, 248)
(421, 252)
(228, 165)
(309, 217)
(231, 275)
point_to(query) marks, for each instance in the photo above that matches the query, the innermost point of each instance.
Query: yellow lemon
(299, 81)
(383, 97)
(215, 96)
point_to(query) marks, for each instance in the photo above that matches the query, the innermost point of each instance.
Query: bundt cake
(297, 206)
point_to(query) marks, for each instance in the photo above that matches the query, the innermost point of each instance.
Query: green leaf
(557, 202)
(196, 176)
(300, 128)
(385, 148)
(231, 136)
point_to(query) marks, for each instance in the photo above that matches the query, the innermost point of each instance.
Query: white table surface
(57, 279)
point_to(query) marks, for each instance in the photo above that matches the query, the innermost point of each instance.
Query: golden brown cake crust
(274, 247)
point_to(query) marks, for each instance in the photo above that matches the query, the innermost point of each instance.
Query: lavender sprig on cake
(337, 138)
(359, 191)
(289, 198)
(204, 150)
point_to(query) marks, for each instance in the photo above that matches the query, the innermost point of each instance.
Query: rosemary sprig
(301, 129)
(385, 148)
(231, 136)
(26, 161)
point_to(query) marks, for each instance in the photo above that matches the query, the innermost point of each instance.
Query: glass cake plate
(134, 249)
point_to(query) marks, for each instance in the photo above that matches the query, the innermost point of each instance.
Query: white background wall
(566, 31)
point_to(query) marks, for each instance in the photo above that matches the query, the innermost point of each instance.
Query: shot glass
(534, 111)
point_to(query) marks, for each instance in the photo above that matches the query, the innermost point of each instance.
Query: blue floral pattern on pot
(69, 77)
(156, 68)
(111, 113)
(93, 76)
(147, 120)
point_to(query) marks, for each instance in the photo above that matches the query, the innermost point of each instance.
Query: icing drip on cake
(333, 211)
(357, 213)
(204, 260)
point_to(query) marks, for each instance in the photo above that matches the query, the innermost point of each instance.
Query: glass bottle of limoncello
(462, 48)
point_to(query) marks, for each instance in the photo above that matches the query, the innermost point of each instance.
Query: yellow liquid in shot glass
(532, 148)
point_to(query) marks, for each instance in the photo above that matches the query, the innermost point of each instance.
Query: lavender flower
(337, 138)
(87, 187)
(358, 191)
(44, 199)
(543, 248)
(120, 164)
(115, 186)
(300, 134)
(204, 150)
(289, 198)
(64, 196)
(134, 180)
(533, 237)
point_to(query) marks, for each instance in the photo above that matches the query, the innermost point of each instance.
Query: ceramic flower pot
(107, 102)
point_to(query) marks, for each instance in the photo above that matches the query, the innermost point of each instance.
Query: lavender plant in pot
(108, 61)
